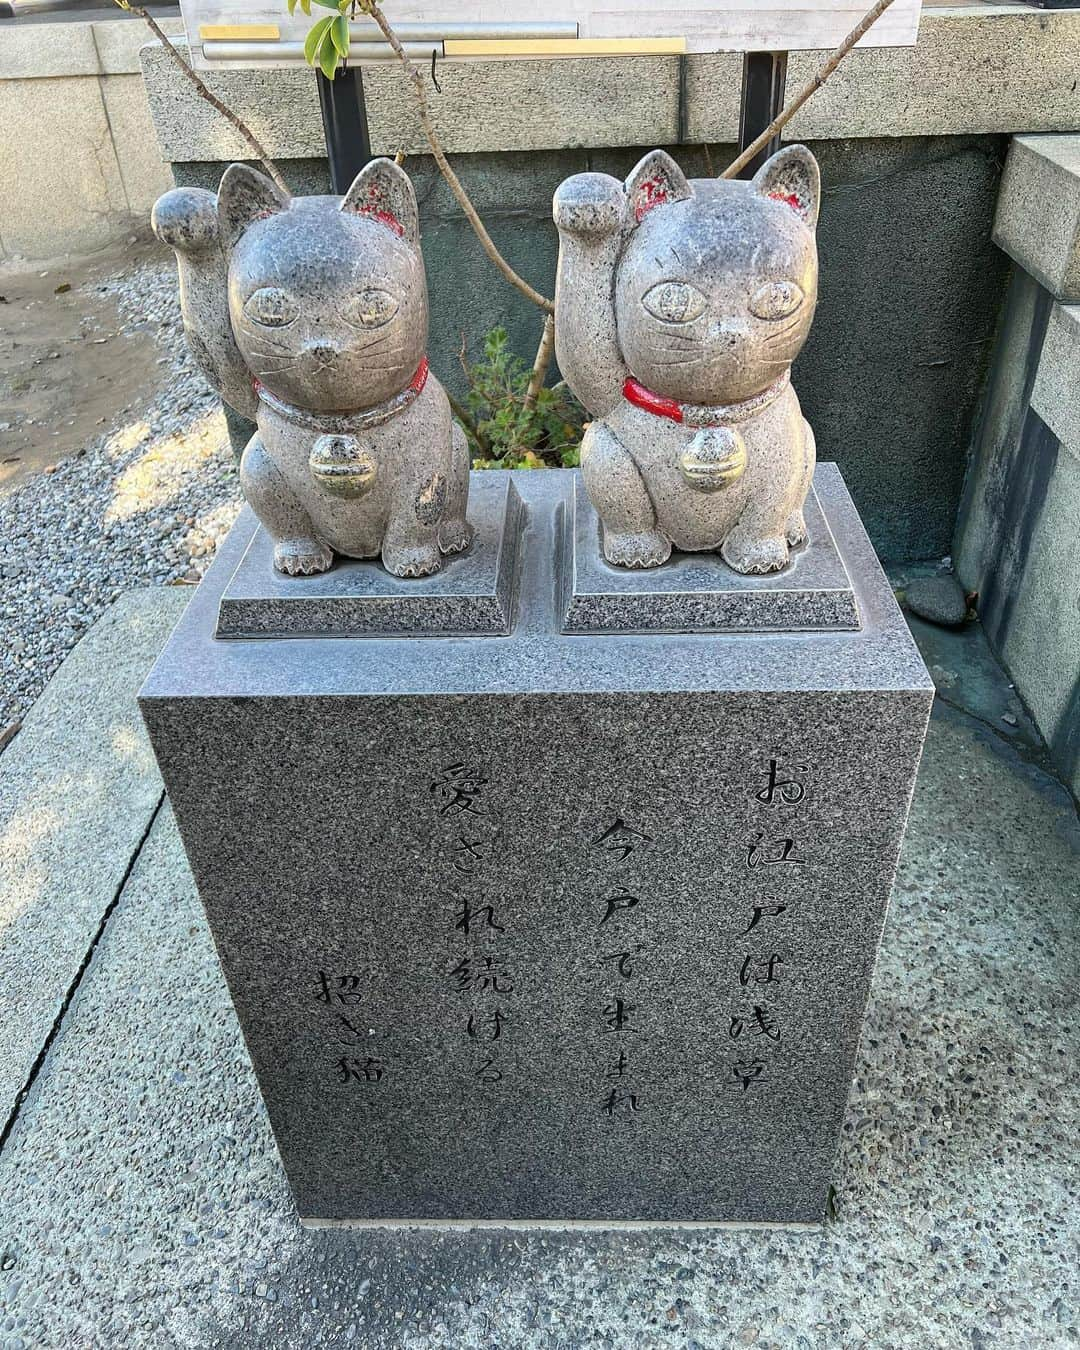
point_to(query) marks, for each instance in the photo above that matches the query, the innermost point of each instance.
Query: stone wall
(79, 162)
(1016, 540)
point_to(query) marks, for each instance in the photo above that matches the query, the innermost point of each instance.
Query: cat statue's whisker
(375, 344)
(775, 337)
(273, 370)
(260, 355)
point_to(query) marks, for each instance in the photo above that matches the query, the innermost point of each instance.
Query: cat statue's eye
(674, 301)
(371, 308)
(776, 300)
(271, 306)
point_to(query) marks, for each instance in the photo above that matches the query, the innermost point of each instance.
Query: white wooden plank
(719, 26)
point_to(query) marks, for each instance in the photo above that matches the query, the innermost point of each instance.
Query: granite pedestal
(552, 925)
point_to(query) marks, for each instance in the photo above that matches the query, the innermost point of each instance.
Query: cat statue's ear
(383, 191)
(245, 195)
(792, 176)
(655, 180)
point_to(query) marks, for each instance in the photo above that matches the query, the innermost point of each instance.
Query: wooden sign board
(260, 33)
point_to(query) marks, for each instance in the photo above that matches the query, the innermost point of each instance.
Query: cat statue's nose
(325, 352)
(728, 331)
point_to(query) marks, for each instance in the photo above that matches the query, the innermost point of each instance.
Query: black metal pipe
(764, 77)
(345, 125)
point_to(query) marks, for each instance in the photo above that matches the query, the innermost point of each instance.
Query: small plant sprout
(505, 429)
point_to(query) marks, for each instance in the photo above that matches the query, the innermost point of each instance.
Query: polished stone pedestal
(472, 594)
(549, 925)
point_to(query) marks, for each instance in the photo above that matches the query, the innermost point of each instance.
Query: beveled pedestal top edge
(538, 659)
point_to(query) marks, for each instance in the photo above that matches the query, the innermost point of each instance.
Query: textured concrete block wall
(910, 292)
(1016, 540)
(79, 162)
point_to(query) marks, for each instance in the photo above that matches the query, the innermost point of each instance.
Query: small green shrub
(502, 432)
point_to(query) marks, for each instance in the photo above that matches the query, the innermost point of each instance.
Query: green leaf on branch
(339, 35)
(328, 57)
(314, 39)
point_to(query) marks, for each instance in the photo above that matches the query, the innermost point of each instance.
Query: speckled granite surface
(473, 592)
(578, 950)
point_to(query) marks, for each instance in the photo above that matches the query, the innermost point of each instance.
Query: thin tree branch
(781, 121)
(417, 80)
(469, 423)
(211, 98)
(541, 364)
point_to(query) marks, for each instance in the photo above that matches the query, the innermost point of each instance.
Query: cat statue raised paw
(679, 308)
(310, 315)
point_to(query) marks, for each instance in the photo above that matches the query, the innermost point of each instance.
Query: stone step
(78, 789)
(1058, 379)
(1037, 222)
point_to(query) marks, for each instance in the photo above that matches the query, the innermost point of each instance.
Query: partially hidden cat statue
(309, 315)
(679, 308)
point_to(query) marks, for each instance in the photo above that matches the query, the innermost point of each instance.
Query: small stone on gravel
(938, 599)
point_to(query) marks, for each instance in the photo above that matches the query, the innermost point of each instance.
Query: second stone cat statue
(309, 315)
(679, 308)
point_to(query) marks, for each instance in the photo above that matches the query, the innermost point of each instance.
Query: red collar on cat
(699, 414)
(346, 422)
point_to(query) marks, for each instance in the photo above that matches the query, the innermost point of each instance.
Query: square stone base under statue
(548, 925)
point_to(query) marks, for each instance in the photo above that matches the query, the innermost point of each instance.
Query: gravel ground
(144, 504)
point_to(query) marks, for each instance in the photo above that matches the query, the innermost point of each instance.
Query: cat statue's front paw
(755, 555)
(302, 557)
(455, 536)
(416, 560)
(589, 204)
(647, 548)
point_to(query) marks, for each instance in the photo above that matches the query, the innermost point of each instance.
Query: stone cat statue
(309, 315)
(679, 307)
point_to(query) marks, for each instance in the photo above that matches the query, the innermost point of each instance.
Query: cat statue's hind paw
(796, 530)
(752, 556)
(647, 548)
(302, 557)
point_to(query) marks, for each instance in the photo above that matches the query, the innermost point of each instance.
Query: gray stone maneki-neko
(679, 309)
(310, 316)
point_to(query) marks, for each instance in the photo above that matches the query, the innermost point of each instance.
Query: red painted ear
(382, 191)
(655, 181)
(791, 176)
